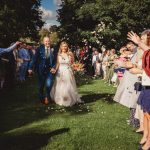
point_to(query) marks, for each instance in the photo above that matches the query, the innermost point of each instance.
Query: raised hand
(18, 43)
(133, 37)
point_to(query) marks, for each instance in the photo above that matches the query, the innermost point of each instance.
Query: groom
(44, 63)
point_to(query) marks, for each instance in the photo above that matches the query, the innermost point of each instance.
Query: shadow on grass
(83, 80)
(80, 109)
(29, 141)
(93, 97)
(20, 106)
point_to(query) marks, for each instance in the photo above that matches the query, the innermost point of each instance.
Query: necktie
(47, 53)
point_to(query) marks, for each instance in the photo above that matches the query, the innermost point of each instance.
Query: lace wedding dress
(64, 91)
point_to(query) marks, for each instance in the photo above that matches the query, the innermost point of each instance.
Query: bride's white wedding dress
(64, 91)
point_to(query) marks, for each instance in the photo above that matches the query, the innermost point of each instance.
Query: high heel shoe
(139, 131)
(146, 148)
(142, 142)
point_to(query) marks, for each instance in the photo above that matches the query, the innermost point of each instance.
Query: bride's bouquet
(79, 73)
(78, 67)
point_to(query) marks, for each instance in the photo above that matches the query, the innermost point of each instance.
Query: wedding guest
(78, 52)
(144, 44)
(120, 63)
(82, 53)
(105, 63)
(96, 63)
(126, 94)
(87, 60)
(111, 66)
(6, 65)
(6, 50)
(25, 57)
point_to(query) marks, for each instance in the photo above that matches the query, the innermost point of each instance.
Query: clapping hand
(135, 71)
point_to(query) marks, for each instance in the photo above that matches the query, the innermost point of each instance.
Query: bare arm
(6, 50)
(72, 57)
(57, 64)
(136, 39)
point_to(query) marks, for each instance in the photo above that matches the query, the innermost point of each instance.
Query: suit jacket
(40, 61)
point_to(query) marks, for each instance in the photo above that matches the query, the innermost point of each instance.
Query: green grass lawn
(99, 124)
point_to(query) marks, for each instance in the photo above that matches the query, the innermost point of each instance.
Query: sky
(49, 8)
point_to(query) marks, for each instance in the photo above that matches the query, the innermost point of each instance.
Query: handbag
(138, 85)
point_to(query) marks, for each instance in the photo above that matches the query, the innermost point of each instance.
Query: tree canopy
(19, 18)
(103, 22)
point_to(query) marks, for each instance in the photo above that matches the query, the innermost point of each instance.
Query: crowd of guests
(132, 70)
(14, 62)
(129, 71)
(134, 88)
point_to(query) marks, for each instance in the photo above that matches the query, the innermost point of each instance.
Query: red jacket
(146, 62)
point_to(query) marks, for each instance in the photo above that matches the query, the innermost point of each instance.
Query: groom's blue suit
(43, 65)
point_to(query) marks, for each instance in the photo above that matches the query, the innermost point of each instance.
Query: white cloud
(47, 14)
(57, 2)
(49, 17)
(47, 25)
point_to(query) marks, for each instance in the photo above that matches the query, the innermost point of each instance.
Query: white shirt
(145, 79)
(47, 50)
(94, 58)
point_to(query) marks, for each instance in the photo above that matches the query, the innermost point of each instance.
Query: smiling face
(46, 42)
(130, 47)
(122, 50)
(64, 47)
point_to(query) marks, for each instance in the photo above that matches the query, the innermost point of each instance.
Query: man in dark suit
(44, 62)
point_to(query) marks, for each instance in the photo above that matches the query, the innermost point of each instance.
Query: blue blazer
(24, 54)
(6, 50)
(39, 61)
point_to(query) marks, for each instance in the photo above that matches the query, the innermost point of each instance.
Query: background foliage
(18, 19)
(102, 22)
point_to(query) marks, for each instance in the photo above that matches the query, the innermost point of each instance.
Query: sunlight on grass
(99, 124)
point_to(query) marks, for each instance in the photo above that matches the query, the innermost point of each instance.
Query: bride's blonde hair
(63, 43)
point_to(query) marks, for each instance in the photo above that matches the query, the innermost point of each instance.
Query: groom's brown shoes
(46, 101)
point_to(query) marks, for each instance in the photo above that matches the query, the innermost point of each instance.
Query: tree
(103, 22)
(51, 32)
(19, 18)
(44, 32)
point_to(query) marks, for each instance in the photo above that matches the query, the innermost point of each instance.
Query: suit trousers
(45, 81)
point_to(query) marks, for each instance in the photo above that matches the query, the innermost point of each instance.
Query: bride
(64, 91)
